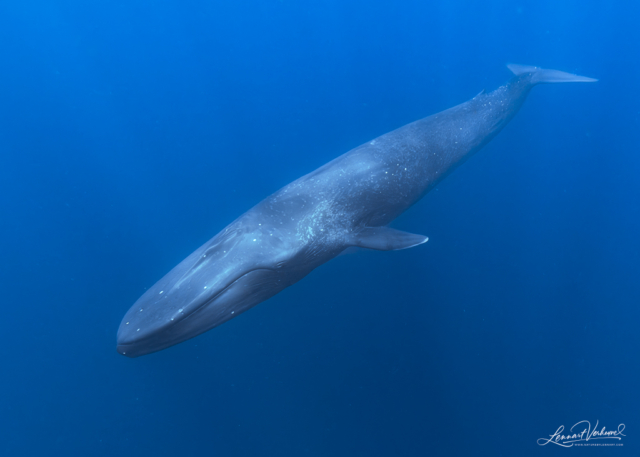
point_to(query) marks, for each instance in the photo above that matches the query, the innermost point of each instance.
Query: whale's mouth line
(186, 316)
(218, 293)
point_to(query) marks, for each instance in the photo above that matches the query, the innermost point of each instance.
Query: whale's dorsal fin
(386, 239)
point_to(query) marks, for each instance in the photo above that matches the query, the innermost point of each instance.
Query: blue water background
(133, 131)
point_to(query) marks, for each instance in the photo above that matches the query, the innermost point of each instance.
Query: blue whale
(346, 202)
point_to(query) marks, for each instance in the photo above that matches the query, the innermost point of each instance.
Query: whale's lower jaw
(243, 294)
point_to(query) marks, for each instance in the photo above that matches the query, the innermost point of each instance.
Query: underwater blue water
(133, 131)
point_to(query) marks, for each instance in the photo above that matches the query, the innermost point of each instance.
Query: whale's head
(240, 267)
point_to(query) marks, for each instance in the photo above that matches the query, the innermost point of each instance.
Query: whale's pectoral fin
(541, 75)
(386, 239)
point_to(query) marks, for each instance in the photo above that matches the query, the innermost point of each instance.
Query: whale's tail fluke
(540, 75)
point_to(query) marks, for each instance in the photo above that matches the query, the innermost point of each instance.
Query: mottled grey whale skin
(347, 202)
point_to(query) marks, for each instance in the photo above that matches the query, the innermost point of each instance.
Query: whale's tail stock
(540, 75)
